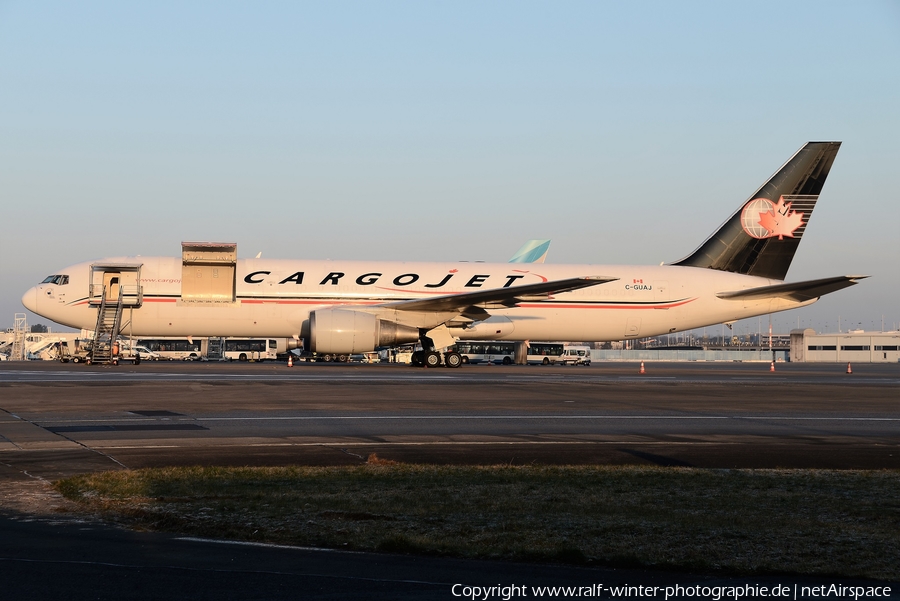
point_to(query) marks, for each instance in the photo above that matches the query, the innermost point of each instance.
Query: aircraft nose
(30, 300)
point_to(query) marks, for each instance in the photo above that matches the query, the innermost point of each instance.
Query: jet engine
(342, 331)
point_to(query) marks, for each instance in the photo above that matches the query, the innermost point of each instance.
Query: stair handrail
(98, 329)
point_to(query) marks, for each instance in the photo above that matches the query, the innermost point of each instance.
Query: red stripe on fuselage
(609, 306)
(253, 301)
(547, 305)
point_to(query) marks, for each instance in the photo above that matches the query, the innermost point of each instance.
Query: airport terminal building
(855, 346)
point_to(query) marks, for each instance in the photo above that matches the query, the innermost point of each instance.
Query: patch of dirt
(35, 497)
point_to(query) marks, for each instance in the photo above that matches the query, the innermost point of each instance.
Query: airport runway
(60, 419)
(57, 420)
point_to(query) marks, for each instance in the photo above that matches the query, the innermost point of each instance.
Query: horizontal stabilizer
(498, 296)
(797, 291)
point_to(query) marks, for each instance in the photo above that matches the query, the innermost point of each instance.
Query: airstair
(114, 289)
(109, 322)
(18, 342)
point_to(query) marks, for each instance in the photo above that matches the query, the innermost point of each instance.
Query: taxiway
(59, 419)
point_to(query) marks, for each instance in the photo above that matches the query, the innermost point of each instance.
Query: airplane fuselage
(274, 298)
(357, 306)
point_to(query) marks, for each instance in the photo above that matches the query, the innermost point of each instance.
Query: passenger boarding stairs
(109, 321)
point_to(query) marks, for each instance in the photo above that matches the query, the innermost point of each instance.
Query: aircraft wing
(798, 291)
(498, 297)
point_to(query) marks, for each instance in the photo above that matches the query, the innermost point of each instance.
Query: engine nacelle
(343, 331)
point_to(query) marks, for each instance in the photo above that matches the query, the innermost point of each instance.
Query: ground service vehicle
(250, 349)
(173, 349)
(486, 352)
(576, 355)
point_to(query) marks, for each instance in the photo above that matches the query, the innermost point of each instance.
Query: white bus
(487, 352)
(545, 353)
(174, 349)
(250, 349)
(539, 353)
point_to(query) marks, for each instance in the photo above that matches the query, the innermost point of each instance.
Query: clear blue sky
(624, 131)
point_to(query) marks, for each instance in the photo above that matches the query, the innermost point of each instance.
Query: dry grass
(740, 521)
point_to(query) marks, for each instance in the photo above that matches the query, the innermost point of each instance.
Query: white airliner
(341, 307)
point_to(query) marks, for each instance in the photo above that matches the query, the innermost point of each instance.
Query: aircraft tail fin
(534, 251)
(761, 237)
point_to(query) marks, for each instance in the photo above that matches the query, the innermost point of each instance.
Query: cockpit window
(59, 280)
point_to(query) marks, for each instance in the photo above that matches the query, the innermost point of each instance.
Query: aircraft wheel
(453, 359)
(418, 359)
(432, 359)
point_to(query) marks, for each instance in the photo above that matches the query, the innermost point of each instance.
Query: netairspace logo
(714, 593)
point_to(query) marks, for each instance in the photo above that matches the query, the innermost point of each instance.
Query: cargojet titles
(404, 279)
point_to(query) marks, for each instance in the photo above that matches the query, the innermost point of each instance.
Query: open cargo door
(208, 272)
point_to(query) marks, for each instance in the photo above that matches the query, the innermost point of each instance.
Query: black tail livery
(761, 237)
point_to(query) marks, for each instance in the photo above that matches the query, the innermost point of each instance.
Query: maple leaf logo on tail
(781, 221)
(763, 218)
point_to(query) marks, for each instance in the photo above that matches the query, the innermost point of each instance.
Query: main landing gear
(436, 359)
(432, 358)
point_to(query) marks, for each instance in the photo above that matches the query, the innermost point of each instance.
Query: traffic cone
(849, 369)
(290, 360)
(642, 367)
(772, 366)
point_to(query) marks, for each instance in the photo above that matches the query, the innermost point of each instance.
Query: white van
(576, 355)
(145, 353)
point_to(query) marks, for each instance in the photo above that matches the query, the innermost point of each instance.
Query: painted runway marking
(450, 417)
(56, 424)
(433, 443)
(244, 543)
(51, 378)
(841, 419)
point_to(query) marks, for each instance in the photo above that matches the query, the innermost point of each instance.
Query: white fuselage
(273, 298)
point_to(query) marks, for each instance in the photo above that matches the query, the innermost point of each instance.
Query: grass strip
(841, 523)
